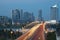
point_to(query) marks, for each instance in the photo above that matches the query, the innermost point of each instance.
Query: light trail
(29, 33)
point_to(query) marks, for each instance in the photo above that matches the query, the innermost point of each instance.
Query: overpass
(35, 33)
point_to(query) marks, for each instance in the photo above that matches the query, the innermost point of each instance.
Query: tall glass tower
(15, 16)
(54, 13)
(40, 15)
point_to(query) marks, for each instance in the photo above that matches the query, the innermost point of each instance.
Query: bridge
(35, 33)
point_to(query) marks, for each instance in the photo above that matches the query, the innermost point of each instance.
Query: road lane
(39, 34)
(29, 33)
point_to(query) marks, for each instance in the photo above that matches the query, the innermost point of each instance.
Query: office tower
(28, 17)
(5, 20)
(15, 16)
(2, 19)
(32, 17)
(54, 13)
(40, 15)
(21, 15)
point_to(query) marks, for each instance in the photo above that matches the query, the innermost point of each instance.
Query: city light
(11, 32)
(17, 30)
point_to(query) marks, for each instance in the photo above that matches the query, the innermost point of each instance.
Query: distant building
(21, 14)
(28, 17)
(54, 13)
(16, 16)
(40, 15)
(58, 31)
(5, 20)
(32, 17)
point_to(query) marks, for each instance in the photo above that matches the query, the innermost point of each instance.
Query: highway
(39, 34)
(35, 33)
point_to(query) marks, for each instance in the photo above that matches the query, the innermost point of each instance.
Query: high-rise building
(2, 19)
(32, 17)
(5, 20)
(21, 15)
(54, 13)
(40, 15)
(15, 16)
(28, 17)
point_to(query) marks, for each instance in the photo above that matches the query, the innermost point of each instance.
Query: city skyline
(31, 6)
(18, 16)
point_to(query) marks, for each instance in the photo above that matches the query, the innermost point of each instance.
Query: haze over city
(6, 6)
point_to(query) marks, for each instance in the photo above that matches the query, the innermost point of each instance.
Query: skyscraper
(40, 15)
(54, 13)
(15, 16)
(5, 20)
(21, 17)
(32, 17)
(21, 14)
(28, 17)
